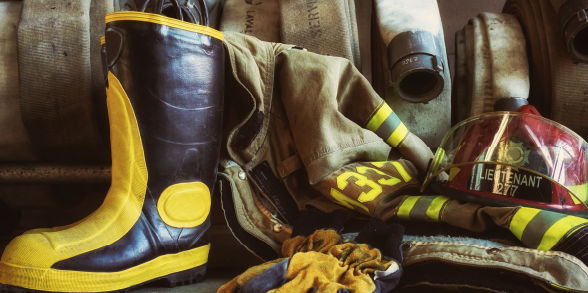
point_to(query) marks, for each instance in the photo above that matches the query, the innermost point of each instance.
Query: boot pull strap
(196, 13)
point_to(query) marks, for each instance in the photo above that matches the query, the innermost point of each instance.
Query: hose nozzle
(416, 66)
(573, 20)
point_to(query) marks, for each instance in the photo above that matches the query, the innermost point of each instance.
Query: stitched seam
(330, 150)
(245, 217)
(515, 248)
(337, 167)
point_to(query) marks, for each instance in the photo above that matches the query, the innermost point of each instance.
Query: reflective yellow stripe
(163, 20)
(379, 117)
(434, 210)
(560, 287)
(102, 40)
(439, 155)
(521, 218)
(406, 207)
(574, 199)
(386, 124)
(398, 135)
(54, 280)
(580, 192)
(401, 171)
(559, 230)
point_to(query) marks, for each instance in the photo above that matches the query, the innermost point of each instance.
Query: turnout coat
(307, 131)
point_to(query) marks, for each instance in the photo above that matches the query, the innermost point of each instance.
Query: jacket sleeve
(309, 81)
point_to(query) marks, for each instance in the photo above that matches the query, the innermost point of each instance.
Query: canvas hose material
(15, 144)
(363, 12)
(59, 75)
(491, 64)
(421, 20)
(558, 85)
(325, 27)
(258, 18)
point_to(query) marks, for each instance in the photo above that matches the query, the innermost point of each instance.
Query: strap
(254, 245)
(275, 191)
(193, 11)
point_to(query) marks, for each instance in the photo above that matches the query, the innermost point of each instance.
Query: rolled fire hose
(58, 63)
(413, 34)
(363, 11)
(327, 27)
(491, 59)
(573, 21)
(257, 18)
(418, 84)
(15, 144)
(98, 9)
(559, 86)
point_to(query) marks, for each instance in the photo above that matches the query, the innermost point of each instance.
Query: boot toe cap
(29, 250)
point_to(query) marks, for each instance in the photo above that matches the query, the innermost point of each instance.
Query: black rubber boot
(165, 100)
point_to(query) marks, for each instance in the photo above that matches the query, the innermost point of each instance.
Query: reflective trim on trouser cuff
(54, 280)
(406, 206)
(542, 229)
(387, 125)
(580, 193)
(423, 208)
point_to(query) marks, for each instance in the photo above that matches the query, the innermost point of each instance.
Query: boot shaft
(173, 75)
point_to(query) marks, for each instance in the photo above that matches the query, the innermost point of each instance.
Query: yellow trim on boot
(36, 251)
(46, 279)
(163, 20)
(184, 205)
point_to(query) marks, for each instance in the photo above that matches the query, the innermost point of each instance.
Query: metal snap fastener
(278, 228)
(242, 175)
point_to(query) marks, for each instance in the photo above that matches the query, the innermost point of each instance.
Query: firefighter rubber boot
(165, 99)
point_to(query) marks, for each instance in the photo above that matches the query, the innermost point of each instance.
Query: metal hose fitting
(573, 20)
(416, 66)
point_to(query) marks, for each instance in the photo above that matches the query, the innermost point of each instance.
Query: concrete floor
(212, 282)
(455, 14)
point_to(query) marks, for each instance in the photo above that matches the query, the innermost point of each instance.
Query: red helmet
(513, 158)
